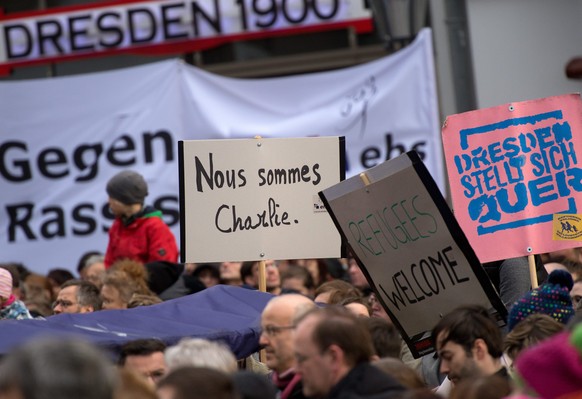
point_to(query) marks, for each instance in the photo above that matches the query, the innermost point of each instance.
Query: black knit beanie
(127, 187)
(162, 275)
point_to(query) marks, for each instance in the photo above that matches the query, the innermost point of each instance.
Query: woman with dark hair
(58, 277)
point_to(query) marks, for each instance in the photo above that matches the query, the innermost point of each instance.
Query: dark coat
(366, 382)
(297, 392)
(289, 388)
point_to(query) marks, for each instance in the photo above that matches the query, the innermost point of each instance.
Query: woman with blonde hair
(122, 281)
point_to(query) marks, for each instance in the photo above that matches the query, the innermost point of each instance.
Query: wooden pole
(262, 264)
(262, 288)
(262, 283)
(365, 178)
(262, 276)
(533, 276)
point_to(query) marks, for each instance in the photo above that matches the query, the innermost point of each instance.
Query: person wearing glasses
(277, 339)
(77, 296)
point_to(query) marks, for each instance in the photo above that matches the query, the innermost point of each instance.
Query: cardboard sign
(410, 247)
(512, 168)
(257, 199)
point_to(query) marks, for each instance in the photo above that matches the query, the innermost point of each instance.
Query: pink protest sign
(510, 169)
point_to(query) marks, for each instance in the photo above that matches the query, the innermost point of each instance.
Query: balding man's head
(277, 323)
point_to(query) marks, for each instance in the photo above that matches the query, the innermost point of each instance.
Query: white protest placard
(409, 246)
(254, 199)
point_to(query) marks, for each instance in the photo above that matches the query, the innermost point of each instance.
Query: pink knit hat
(553, 368)
(5, 283)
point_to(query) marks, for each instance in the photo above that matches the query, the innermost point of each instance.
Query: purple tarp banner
(222, 313)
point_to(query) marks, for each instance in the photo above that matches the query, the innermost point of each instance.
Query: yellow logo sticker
(567, 227)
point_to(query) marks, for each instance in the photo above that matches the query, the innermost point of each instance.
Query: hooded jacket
(143, 237)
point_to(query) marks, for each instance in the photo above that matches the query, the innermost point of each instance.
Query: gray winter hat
(127, 187)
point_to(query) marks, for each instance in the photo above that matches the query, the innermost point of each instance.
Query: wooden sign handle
(532, 271)
(262, 288)
(262, 263)
(262, 276)
(365, 178)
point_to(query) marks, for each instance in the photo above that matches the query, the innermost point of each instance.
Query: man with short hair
(276, 336)
(77, 296)
(333, 350)
(93, 269)
(230, 273)
(249, 273)
(297, 279)
(144, 357)
(469, 344)
(576, 294)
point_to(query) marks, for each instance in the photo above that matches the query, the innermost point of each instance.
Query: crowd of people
(324, 332)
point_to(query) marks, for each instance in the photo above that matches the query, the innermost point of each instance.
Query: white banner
(61, 139)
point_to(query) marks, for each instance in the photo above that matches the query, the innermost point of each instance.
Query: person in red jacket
(138, 232)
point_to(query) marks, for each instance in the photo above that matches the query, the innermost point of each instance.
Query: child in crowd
(10, 307)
